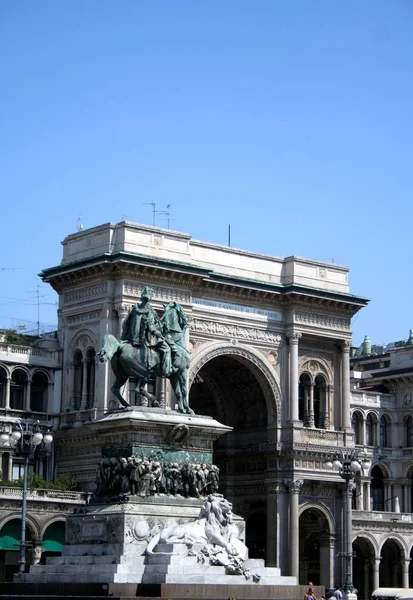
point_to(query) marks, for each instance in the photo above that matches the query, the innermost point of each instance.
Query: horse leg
(119, 382)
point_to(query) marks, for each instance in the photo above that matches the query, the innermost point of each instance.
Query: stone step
(171, 560)
(90, 570)
(102, 549)
(103, 578)
(92, 560)
(183, 568)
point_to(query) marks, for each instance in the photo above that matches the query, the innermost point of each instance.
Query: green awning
(10, 535)
(54, 537)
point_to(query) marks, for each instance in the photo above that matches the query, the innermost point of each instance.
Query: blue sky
(290, 120)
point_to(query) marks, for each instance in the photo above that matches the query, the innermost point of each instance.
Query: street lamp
(348, 464)
(25, 437)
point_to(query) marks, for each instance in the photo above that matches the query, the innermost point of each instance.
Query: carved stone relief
(234, 331)
(86, 293)
(132, 288)
(324, 321)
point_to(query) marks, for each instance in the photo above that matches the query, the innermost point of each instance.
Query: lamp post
(348, 464)
(25, 437)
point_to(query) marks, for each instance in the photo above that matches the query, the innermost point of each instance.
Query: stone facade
(270, 342)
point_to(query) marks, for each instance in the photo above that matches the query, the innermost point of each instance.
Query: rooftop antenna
(167, 214)
(79, 223)
(153, 211)
(229, 236)
(38, 309)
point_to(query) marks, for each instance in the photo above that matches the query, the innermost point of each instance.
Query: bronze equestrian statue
(150, 347)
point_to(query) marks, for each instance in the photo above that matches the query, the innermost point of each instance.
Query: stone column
(293, 338)
(345, 385)
(405, 567)
(363, 432)
(366, 578)
(272, 534)
(311, 406)
(326, 412)
(10, 467)
(294, 488)
(360, 496)
(330, 401)
(367, 500)
(28, 394)
(7, 397)
(331, 582)
(376, 573)
(283, 529)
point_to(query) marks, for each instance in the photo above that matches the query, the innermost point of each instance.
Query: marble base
(107, 544)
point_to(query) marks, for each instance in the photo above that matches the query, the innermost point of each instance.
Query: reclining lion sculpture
(210, 528)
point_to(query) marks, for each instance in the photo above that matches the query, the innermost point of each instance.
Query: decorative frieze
(93, 315)
(86, 293)
(323, 321)
(234, 331)
(134, 289)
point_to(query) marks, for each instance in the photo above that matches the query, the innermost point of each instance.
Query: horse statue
(144, 361)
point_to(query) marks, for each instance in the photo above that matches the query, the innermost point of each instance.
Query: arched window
(38, 398)
(357, 424)
(384, 432)
(370, 431)
(90, 377)
(303, 398)
(409, 431)
(3, 387)
(320, 401)
(77, 379)
(377, 489)
(18, 384)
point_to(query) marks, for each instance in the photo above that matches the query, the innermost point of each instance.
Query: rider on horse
(141, 324)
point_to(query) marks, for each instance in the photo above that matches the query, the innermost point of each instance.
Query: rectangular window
(17, 471)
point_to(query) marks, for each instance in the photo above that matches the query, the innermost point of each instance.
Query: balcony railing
(62, 496)
(29, 355)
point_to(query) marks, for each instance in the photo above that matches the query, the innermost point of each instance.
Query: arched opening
(53, 540)
(314, 558)
(305, 387)
(3, 387)
(357, 426)
(77, 380)
(377, 489)
(256, 535)
(363, 557)
(38, 396)
(230, 389)
(18, 386)
(320, 401)
(385, 441)
(390, 573)
(9, 548)
(90, 377)
(408, 423)
(370, 430)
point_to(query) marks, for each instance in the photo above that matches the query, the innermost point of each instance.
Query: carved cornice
(134, 289)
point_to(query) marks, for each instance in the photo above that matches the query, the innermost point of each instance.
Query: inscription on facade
(271, 315)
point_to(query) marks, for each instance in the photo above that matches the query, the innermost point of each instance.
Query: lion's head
(216, 510)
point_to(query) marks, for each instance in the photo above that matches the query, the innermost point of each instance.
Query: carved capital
(275, 487)
(293, 336)
(345, 345)
(294, 485)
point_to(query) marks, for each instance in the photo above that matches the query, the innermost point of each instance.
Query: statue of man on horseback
(150, 347)
(142, 325)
